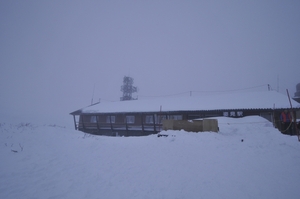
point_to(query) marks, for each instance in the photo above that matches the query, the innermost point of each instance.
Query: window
(149, 119)
(112, 118)
(130, 119)
(161, 118)
(93, 119)
(175, 117)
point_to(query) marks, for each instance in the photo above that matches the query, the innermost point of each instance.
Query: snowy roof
(250, 100)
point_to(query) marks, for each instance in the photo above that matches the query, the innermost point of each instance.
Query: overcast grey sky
(53, 53)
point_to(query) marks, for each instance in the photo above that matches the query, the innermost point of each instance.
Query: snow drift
(248, 158)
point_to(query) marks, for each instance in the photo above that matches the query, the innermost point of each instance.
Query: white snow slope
(54, 162)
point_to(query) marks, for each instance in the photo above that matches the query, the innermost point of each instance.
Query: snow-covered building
(144, 117)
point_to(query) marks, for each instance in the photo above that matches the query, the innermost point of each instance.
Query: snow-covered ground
(248, 158)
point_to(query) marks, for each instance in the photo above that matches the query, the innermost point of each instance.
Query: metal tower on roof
(127, 88)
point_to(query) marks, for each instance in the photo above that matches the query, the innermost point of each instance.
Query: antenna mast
(93, 95)
(277, 83)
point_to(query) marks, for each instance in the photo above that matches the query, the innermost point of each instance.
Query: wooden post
(81, 116)
(154, 127)
(97, 121)
(289, 98)
(111, 126)
(295, 121)
(142, 118)
(76, 128)
(159, 119)
(126, 125)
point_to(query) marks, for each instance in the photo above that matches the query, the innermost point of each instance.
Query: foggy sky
(54, 53)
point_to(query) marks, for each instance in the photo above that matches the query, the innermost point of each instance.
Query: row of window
(109, 119)
(130, 119)
(149, 119)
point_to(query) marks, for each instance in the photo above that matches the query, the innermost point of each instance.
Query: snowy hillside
(248, 158)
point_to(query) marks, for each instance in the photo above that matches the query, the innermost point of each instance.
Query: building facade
(144, 117)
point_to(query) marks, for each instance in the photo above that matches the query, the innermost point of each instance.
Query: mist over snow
(248, 158)
(58, 56)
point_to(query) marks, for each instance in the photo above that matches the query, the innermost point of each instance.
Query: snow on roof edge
(231, 101)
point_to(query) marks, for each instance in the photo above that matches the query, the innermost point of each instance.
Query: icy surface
(248, 158)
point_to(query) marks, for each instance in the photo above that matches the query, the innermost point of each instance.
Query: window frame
(176, 117)
(130, 119)
(93, 119)
(112, 117)
(149, 119)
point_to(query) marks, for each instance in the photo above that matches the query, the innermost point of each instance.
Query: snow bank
(248, 158)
